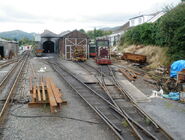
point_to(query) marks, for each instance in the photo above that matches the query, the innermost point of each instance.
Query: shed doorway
(48, 47)
(1, 52)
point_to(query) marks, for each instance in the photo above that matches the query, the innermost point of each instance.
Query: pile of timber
(129, 74)
(45, 92)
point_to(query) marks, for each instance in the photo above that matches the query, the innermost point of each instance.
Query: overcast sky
(61, 15)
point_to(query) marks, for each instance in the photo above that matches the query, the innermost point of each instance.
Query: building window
(140, 20)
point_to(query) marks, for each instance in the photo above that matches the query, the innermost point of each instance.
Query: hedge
(168, 31)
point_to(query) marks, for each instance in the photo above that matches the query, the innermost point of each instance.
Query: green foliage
(26, 41)
(97, 33)
(17, 34)
(142, 34)
(82, 30)
(168, 31)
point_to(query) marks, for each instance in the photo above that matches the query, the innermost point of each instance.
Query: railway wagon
(39, 52)
(103, 52)
(79, 54)
(134, 57)
(92, 50)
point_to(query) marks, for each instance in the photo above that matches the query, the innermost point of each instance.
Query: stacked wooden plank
(129, 74)
(45, 92)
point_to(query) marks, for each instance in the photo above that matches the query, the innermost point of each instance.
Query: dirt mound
(156, 56)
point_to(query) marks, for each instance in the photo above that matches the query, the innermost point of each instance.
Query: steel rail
(99, 83)
(125, 94)
(139, 109)
(137, 135)
(9, 97)
(7, 76)
(4, 64)
(103, 85)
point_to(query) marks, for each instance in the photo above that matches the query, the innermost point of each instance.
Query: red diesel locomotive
(103, 52)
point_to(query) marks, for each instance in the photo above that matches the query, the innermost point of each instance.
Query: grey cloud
(110, 18)
(15, 15)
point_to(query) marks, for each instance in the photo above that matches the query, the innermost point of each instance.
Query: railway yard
(94, 102)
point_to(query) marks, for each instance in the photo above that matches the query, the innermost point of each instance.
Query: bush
(168, 31)
(142, 34)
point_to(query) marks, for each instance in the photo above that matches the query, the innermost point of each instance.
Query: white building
(145, 19)
(116, 35)
(156, 17)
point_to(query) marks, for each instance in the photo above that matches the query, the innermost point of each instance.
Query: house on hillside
(116, 35)
(114, 38)
(8, 49)
(156, 17)
(145, 19)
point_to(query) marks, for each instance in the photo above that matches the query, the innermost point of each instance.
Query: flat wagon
(39, 52)
(134, 57)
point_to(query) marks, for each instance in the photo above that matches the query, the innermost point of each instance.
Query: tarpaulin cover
(172, 95)
(176, 67)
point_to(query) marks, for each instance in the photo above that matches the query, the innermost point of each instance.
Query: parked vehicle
(92, 50)
(103, 52)
(79, 54)
(134, 57)
(39, 52)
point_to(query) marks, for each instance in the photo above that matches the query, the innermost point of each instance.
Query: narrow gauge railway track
(96, 86)
(130, 108)
(9, 84)
(4, 64)
(116, 120)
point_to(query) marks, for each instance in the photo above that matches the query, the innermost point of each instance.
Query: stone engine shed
(64, 43)
(49, 41)
(8, 49)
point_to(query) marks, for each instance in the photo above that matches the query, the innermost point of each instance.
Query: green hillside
(16, 35)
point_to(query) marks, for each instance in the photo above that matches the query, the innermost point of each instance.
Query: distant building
(145, 19)
(64, 43)
(114, 38)
(8, 49)
(156, 17)
(37, 37)
(25, 48)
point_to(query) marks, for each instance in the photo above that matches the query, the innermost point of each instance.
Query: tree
(93, 34)
(82, 30)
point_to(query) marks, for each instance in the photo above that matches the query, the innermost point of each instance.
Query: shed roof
(74, 34)
(64, 33)
(48, 33)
